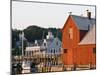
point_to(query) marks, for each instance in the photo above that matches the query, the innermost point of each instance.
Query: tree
(33, 33)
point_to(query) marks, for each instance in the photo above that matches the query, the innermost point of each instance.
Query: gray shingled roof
(83, 22)
(40, 42)
(90, 37)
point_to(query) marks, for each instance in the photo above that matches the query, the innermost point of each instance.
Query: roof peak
(80, 16)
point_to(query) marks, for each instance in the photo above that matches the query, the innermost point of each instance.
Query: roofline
(65, 23)
(86, 44)
(87, 34)
(73, 21)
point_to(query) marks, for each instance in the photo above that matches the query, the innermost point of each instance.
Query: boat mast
(22, 45)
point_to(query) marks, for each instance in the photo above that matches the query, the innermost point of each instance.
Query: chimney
(88, 14)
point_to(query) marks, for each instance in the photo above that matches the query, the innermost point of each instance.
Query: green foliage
(16, 51)
(32, 33)
(36, 33)
(15, 37)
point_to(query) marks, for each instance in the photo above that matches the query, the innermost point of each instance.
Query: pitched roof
(83, 23)
(90, 37)
(40, 42)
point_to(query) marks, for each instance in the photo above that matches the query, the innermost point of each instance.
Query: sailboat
(25, 64)
(26, 67)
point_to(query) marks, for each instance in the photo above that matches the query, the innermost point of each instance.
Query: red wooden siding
(76, 54)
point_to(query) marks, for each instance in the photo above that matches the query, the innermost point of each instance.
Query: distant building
(52, 44)
(45, 48)
(49, 45)
(78, 41)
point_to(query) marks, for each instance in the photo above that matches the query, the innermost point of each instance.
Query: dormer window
(36, 43)
(44, 44)
(70, 33)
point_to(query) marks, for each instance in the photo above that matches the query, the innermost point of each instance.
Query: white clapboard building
(49, 46)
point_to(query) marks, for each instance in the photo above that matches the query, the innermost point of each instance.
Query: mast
(22, 45)
(57, 34)
(43, 35)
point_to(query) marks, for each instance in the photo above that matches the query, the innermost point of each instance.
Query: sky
(45, 15)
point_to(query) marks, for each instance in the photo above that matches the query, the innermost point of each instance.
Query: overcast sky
(45, 15)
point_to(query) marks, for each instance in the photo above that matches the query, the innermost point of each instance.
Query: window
(70, 33)
(29, 53)
(94, 50)
(65, 50)
(57, 43)
(51, 50)
(54, 51)
(44, 44)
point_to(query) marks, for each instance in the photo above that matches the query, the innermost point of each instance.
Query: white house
(47, 51)
(50, 45)
(53, 44)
